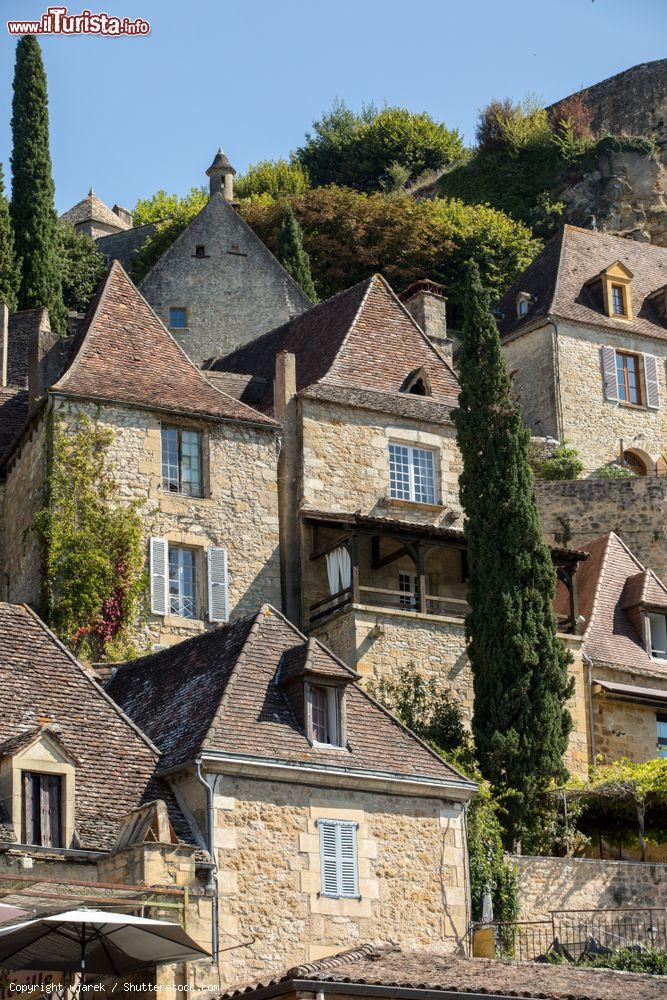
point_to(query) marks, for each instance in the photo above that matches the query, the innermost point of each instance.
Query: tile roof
(218, 692)
(395, 968)
(362, 338)
(402, 404)
(23, 329)
(41, 684)
(123, 353)
(92, 209)
(557, 281)
(13, 414)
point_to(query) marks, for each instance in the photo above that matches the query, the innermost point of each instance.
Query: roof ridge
(428, 341)
(371, 281)
(88, 325)
(340, 958)
(554, 292)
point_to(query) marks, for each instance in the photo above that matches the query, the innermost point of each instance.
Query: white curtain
(339, 569)
(345, 567)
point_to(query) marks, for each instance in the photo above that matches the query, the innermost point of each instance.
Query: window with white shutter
(609, 373)
(159, 554)
(338, 858)
(218, 590)
(651, 381)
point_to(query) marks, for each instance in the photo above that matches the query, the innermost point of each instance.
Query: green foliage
(504, 125)
(519, 666)
(614, 471)
(646, 960)
(10, 271)
(162, 207)
(565, 463)
(290, 253)
(277, 178)
(82, 267)
(361, 150)
(32, 207)
(349, 236)
(430, 711)
(91, 541)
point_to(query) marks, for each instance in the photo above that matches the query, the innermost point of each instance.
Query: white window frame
(333, 712)
(660, 654)
(181, 549)
(177, 485)
(412, 452)
(661, 735)
(339, 860)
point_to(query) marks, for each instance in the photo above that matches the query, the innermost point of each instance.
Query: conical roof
(220, 165)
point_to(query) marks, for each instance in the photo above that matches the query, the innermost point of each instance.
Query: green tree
(10, 273)
(170, 214)
(277, 179)
(290, 253)
(32, 207)
(82, 267)
(363, 150)
(519, 666)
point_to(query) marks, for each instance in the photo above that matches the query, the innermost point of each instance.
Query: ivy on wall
(94, 580)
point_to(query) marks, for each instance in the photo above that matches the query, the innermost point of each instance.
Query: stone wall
(233, 292)
(585, 883)
(23, 492)
(267, 845)
(531, 360)
(626, 728)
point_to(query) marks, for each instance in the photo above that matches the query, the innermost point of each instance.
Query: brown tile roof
(13, 415)
(394, 968)
(362, 338)
(123, 353)
(402, 404)
(311, 659)
(23, 329)
(218, 692)
(42, 684)
(92, 209)
(558, 278)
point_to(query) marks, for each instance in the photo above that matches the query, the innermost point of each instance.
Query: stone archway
(638, 461)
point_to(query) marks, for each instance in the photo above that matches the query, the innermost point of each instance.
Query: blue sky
(132, 115)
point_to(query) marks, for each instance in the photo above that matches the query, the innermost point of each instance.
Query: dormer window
(657, 633)
(418, 383)
(523, 301)
(611, 289)
(324, 711)
(42, 809)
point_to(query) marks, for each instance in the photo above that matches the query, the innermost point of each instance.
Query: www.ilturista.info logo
(57, 21)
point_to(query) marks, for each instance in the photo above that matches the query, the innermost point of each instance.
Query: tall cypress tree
(32, 207)
(291, 254)
(10, 274)
(519, 666)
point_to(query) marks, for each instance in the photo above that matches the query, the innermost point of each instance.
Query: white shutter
(338, 858)
(218, 599)
(651, 381)
(609, 373)
(159, 550)
(328, 857)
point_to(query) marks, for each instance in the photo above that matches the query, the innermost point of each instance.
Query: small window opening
(200, 250)
(178, 319)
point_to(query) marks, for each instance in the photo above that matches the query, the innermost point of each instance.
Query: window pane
(617, 300)
(399, 471)
(407, 584)
(658, 629)
(182, 582)
(191, 463)
(318, 704)
(170, 459)
(620, 376)
(422, 464)
(662, 735)
(177, 319)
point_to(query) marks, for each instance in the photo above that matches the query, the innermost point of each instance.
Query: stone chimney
(124, 214)
(48, 358)
(284, 386)
(4, 343)
(426, 302)
(221, 176)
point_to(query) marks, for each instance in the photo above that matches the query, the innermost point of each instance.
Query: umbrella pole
(83, 958)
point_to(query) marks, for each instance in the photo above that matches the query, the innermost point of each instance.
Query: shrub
(576, 113)
(504, 125)
(565, 463)
(647, 960)
(277, 178)
(614, 471)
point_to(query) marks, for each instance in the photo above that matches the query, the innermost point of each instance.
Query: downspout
(591, 720)
(557, 394)
(213, 870)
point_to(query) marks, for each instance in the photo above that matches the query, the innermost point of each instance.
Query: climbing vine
(91, 545)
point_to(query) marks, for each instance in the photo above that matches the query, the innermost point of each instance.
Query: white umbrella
(94, 941)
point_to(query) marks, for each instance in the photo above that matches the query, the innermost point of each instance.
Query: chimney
(221, 176)
(284, 386)
(426, 302)
(48, 357)
(4, 342)
(123, 214)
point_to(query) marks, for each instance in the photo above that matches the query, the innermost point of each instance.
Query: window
(627, 377)
(522, 307)
(182, 582)
(618, 300)
(408, 584)
(181, 462)
(178, 319)
(200, 250)
(338, 859)
(324, 715)
(661, 722)
(658, 635)
(42, 809)
(412, 473)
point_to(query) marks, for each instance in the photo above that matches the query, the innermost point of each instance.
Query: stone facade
(548, 884)
(231, 286)
(23, 490)
(272, 913)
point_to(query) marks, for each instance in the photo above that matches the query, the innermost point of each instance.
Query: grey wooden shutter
(328, 857)
(609, 373)
(651, 381)
(338, 858)
(218, 590)
(349, 877)
(28, 807)
(159, 575)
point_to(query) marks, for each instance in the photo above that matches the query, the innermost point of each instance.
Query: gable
(619, 271)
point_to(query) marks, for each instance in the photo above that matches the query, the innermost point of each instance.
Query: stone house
(312, 801)
(373, 555)
(93, 218)
(218, 286)
(200, 465)
(624, 606)
(585, 331)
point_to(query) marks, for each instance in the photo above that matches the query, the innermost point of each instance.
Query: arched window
(635, 462)
(418, 383)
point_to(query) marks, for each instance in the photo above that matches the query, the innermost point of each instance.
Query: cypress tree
(291, 254)
(519, 666)
(32, 207)
(10, 274)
